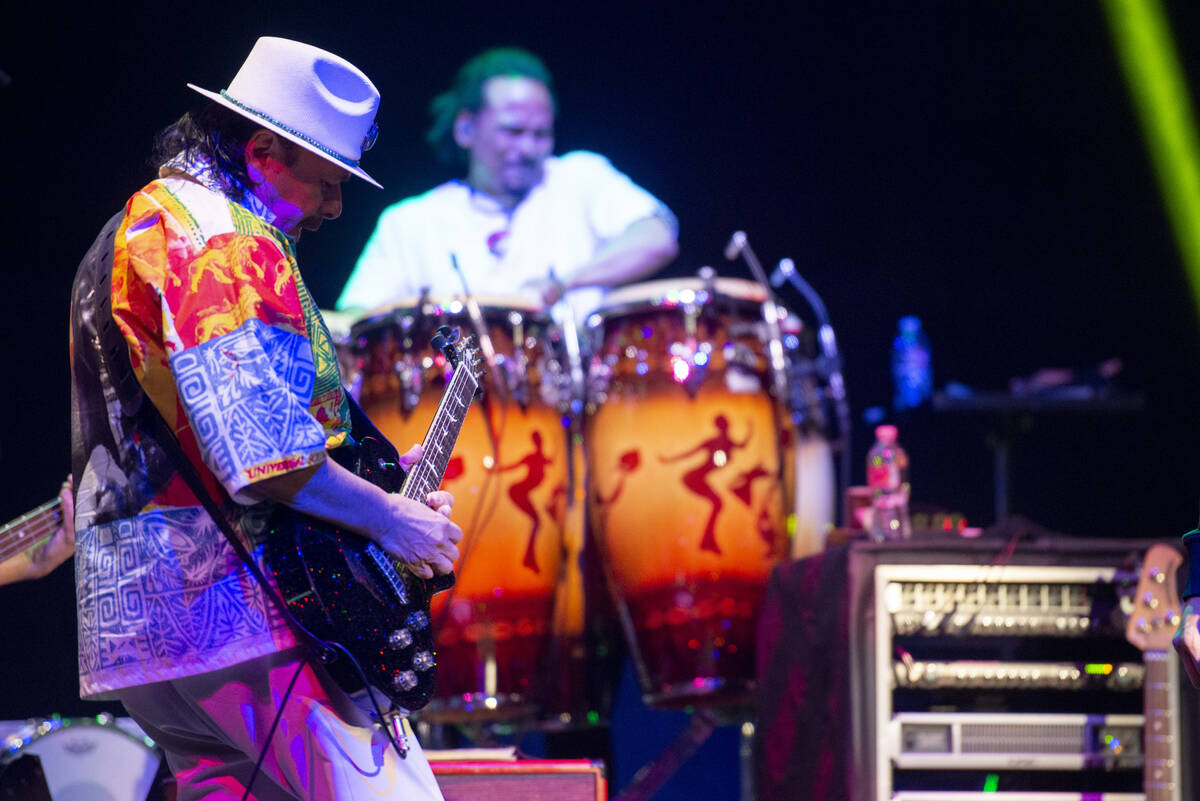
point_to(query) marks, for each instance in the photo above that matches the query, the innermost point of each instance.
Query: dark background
(977, 164)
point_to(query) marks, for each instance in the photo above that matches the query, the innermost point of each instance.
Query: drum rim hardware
(37, 728)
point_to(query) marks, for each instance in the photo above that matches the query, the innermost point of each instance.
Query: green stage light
(1142, 36)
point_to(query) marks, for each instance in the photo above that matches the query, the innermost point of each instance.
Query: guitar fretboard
(1161, 746)
(426, 475)
(29, 530)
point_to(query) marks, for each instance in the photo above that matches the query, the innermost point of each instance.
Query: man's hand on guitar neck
(420, 535)
(431, 554)
(39, 561)
(1187, 639)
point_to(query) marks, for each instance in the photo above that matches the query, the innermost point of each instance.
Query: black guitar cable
(401, 750)
(271, 732)
(153, 419)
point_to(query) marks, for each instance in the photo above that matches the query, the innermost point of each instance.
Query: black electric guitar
(1151, 625)
(345, 589)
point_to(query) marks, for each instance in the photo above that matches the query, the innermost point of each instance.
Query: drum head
(452, 305)
(676, 291)
(92, 759)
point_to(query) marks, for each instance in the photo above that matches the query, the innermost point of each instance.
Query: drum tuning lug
(412, 382)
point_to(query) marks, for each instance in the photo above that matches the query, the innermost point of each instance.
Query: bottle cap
(885, 434)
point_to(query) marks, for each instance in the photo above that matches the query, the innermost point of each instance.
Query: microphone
(740, 246)
(571, 340)
(782, 272)
(736, 243)
(481, 329)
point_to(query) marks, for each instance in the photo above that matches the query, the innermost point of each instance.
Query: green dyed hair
(466, 93)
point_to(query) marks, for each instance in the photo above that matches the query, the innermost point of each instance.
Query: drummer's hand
(421, 535)
(1187, 639)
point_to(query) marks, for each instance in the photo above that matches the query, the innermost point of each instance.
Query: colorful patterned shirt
(227, 343)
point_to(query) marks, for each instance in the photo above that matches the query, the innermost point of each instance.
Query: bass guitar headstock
(460, 353)
(1156, 608)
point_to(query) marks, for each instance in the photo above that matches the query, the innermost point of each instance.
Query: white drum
(89, 759)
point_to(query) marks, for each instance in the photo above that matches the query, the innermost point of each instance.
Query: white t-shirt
(581, 203)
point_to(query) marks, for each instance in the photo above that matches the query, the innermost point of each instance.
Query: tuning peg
(438, 340)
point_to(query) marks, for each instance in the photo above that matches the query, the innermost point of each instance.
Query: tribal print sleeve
(219, 322)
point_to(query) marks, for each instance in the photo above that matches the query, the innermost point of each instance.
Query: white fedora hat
(310, 96)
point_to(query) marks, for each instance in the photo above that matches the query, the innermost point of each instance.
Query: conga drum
(809, 470)
(687, 494)
(88, 759)
(508, 475)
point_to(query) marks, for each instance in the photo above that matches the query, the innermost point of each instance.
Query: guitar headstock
(464, 353)
(445, 339)
(1156, 608)
(472, 361)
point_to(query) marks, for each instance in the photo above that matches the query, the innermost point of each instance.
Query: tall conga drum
(687, 495)
(494, 628)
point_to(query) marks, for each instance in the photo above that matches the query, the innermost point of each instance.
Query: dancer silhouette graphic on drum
(627, 464)
(743, 488)
(718, 452)
(536, 463)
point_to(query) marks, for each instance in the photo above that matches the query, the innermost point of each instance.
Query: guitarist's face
(299, 187)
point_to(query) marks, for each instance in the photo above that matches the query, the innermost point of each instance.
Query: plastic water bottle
(887, 476)
(912, 370)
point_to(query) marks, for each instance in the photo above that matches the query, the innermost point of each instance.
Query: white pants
(212, 728)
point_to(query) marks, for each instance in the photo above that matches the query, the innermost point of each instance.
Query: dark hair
(216, 132)
(467, 92)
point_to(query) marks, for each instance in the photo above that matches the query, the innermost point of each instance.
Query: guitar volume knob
(400, 638)
(423, 661)
(418, 620)
(405, 680)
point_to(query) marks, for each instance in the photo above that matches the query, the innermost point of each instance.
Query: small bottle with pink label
(887, 477)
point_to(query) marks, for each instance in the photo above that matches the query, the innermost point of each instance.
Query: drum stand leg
(653, 775)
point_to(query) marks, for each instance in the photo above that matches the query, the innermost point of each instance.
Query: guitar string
(436, 472)
(32, 513)
(429, 472)
(32, 529)
(487, 499)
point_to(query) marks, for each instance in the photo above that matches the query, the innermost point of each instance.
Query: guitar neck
(426, 475)
(30, 529)
(1161, 743)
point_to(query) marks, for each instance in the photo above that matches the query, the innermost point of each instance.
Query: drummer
(521, 221)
